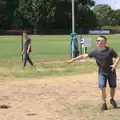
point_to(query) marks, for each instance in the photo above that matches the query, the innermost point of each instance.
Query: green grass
(49, 53)
(44, 50)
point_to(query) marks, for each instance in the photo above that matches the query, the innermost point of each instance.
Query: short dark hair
(102, 36)
(24, 32)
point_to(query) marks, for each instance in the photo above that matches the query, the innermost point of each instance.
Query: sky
(115, 4)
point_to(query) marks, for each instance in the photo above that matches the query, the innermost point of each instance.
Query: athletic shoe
(104, 107)
(112, 101)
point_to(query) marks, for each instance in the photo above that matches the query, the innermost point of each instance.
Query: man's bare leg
(112, 94)
(103, 90)
(103, 97)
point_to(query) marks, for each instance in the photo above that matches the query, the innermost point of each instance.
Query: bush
(111, 27)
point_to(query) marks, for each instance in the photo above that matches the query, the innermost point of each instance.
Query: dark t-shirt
(104, 59)
(26, 44)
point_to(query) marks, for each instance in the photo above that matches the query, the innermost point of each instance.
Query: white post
(73, 16)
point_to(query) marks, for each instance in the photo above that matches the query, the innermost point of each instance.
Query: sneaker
(112, 101)
(104, 107)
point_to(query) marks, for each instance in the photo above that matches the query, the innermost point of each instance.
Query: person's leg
(102, 86)
(25, 59)
(103, 96)
(112, 84)
(112, 93)
(30, 61)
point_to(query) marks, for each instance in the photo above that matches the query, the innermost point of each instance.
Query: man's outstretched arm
(80, 57)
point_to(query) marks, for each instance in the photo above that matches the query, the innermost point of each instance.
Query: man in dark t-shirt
(106, 69)
(104, 59)
(26, 49)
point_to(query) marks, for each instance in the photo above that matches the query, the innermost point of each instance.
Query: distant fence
(38, 32)
(59, 31)
(99, 32)
(104, 31)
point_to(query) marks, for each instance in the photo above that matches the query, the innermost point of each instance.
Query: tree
(63, 17)
(102, 12)
(12, 5)
(117, 16)
(85, 17)
(113, 18)
(7, 8)
(3, 6)
(38, 12)
(62, 14)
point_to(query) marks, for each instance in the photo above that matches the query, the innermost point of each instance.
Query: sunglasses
(97, 40)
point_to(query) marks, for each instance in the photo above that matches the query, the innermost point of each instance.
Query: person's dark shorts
(111, 78)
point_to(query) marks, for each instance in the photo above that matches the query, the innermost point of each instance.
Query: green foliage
(7, 8)
(102, 13)
(106, 16)
(57, 14)
(84, 17)
(3, 5)
(38, 12)
(49, 14)
(111, 27)
(117, 16)
(112, 19)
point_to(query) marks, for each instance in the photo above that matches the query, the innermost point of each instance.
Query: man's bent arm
(116, 61)
(28, 50)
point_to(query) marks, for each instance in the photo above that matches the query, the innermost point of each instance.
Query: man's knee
(103, 89)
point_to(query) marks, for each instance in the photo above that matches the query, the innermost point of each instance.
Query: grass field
(53, 90)
(48, 54)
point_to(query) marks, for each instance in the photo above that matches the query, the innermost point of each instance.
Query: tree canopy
(56, 14)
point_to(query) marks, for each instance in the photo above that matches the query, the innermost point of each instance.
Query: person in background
(26, 49)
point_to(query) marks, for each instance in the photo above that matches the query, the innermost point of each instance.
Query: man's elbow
(85, 56)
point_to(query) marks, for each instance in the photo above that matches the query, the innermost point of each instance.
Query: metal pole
(80, 40)
(22, 46)
(73, 30)
(73, 16)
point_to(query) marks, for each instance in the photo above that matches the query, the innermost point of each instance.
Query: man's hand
(115, 64)
(22, 52)
(113, 68)
(70, 61)
(27, 51)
